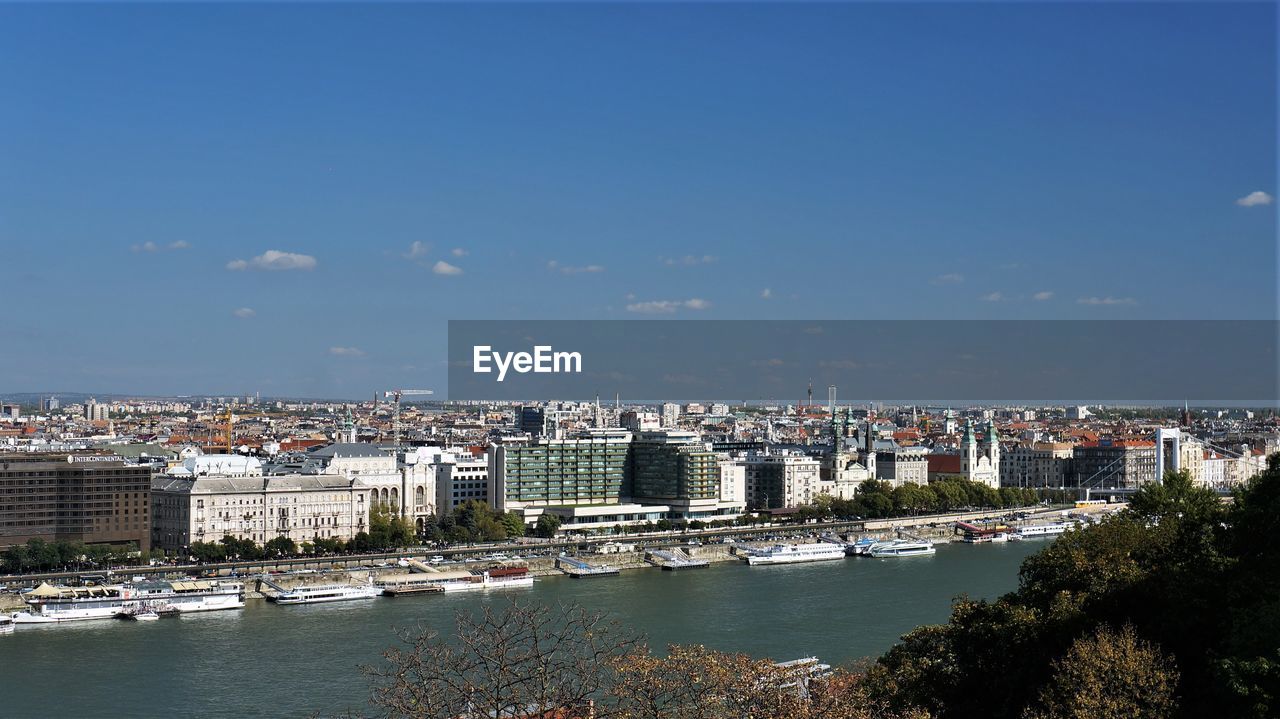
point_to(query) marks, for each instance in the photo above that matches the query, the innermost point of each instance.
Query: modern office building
(461, 478)
(89, 498)
(611, 476)
(583, 470)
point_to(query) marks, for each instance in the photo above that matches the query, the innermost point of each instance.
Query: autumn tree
(1109, 675)
(521, 661)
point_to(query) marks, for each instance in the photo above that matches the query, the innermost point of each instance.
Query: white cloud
(951, 278)
(667, 306)
(1255, 198)
(346, 351)
(444, 268)
(1042, 296)
(688, 260)
(766, 294)
(458, 252)
(417, 250)
(153, 247)
(555, 266)
(1106, 301)
(244, 313)
(275, 260)
(993, 297)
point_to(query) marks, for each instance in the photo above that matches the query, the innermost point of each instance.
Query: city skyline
(294, 201)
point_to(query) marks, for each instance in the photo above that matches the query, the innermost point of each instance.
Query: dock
(396, 590)
(577, 568)
(670, 561)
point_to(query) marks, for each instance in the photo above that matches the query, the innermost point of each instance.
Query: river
(271, 661)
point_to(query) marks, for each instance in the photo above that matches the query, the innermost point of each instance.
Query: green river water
(271, 661)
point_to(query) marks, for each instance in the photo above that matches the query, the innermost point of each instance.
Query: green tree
(547, 526)
(281, 546)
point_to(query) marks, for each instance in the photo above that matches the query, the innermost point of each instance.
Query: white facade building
(185, 510)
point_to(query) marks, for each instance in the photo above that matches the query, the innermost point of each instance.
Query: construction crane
(397, 393)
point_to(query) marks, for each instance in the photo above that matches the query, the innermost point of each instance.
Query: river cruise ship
(901, 548)
(319, 593)
(795, 553)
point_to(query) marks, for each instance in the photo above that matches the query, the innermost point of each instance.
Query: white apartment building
(186, 510)
(461, 478)
(670, 414)
(733, 482)
(785, 479)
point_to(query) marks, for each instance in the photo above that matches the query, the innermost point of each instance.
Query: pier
(675, 559)
(577, 568)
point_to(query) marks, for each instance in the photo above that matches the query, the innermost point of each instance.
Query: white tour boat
(6, 624)
(47, 604)
(794, 553)
(1042, 530)
(901, 548)
(318, 593)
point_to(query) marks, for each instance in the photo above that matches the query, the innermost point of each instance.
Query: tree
(547, 526)
(1177, 498)
(513, 524)
(1109, 675)
(522, 661)
(281, 546)
(567, 663)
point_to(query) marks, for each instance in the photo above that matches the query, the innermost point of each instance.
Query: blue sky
(226, 198)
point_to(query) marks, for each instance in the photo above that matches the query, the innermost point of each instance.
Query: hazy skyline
(293, 199)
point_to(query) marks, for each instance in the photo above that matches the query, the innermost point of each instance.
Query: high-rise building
(585, 470)
(670, 414)
(89, 498)
(673, 466)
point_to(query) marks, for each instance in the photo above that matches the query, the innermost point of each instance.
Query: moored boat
(47, 604)
(1033, 531)
(320, 593)
(795, 553)
(901, 548)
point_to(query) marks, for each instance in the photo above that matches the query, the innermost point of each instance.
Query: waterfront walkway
(643, 542)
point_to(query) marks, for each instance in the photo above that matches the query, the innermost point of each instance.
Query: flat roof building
(89, 498)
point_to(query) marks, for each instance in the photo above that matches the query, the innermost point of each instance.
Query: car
(436, 559)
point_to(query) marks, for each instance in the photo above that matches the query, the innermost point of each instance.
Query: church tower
(993, 451)
(968, 452)
(869, 460)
